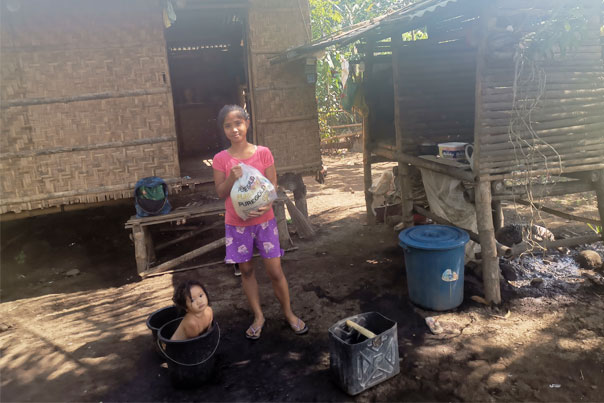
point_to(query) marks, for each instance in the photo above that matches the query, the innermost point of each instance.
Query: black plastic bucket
(190, 362)
(159, 318)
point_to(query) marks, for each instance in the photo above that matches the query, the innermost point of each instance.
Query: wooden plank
(557, 213)
(215, 207)
(184, 258)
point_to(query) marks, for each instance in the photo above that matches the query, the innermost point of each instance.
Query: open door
(208, 69)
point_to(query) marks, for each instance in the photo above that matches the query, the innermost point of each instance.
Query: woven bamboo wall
(568, 119)
(96, 112)
(284, 103)
(436, 92)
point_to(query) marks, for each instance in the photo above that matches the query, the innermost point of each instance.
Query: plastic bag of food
(251, 191)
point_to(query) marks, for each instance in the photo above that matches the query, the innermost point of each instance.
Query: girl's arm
(224, 183)
(271, 175)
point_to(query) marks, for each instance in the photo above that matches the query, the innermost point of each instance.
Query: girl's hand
(260, 211)
(236, 172)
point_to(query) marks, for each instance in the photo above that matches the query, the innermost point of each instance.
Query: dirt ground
(83, 337)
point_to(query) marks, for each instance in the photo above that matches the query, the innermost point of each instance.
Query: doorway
(208, 69)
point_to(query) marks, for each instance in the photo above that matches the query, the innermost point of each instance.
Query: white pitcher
(469, 150)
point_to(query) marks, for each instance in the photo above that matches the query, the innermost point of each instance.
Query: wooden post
(498, 219)
(486, 232)
(300, 195)
(140, 249)
(367, 139)
(484, 216)
(404, 178)
(150, 249)
(284, 238)
(367, 170)
(599, 185)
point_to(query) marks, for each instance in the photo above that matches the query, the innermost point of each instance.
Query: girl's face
(198, 301)
(235, 127)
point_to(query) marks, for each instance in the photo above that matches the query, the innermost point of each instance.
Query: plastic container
(190, 362)
(453, 150)
(358, 363)
(434, 260)
(159, 318)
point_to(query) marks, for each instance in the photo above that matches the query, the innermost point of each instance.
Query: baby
(192, 297)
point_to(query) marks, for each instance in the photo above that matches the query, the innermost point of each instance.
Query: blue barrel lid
(433, 237)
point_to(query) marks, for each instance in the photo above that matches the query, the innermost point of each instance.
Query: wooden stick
(184, 258)
(199, 266)
(365, 332)
(188, 235)
(84, 97)
(558, 213)
(586, 239)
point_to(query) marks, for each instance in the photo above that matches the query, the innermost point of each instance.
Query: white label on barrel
(450, 276)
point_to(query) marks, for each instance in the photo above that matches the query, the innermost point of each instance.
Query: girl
(192, 297)
(260, 229)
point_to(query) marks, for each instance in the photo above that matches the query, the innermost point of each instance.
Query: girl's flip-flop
(254, 333)
(298, 328)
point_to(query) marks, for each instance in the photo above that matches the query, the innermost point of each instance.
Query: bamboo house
(523, 81)
(98, 94)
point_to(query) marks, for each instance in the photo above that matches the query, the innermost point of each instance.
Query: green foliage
(561, 32)
(327, 17)
(596, 228)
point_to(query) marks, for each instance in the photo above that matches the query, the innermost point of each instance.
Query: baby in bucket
(192, 297)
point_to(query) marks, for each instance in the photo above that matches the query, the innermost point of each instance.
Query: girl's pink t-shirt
(261, 159)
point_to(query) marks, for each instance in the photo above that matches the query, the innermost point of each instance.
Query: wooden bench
(144, 249)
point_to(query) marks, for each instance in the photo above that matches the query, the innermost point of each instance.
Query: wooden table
(144, 249)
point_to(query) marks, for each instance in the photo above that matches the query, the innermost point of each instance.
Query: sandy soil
(83, 337)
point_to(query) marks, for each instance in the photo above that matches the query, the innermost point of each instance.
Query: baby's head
(189, 293)
(238, 110)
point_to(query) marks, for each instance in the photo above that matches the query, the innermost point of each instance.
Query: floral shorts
(240, 241)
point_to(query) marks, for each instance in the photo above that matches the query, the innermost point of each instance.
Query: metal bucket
(358, 363)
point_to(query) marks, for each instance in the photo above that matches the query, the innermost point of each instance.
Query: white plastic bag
(251, 191)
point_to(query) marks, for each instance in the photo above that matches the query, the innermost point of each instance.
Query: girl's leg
(275, 273)
(250, 288)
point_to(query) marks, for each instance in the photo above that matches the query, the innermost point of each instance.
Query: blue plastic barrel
(434, 260)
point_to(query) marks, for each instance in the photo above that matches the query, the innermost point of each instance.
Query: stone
(537, 282)
(589, 259)
(72, 273)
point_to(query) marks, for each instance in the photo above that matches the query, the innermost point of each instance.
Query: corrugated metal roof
(384, 23)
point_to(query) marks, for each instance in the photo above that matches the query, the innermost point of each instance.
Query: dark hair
(228, 109)
(183, 290)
